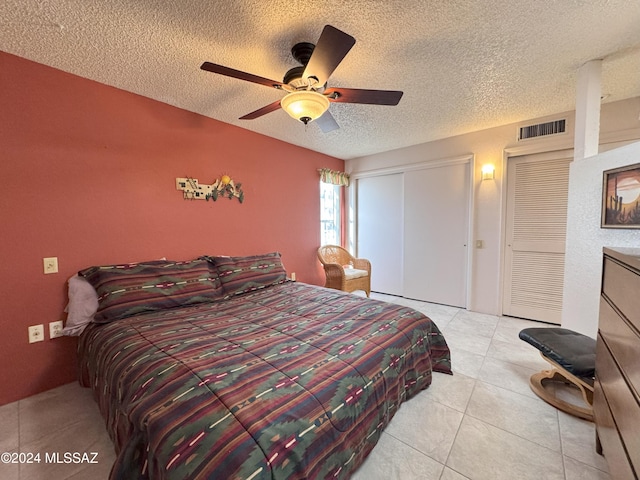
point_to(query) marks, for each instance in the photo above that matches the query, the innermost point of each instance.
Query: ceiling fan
(308, 97)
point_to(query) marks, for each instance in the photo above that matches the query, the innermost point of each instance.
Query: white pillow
(82, 306)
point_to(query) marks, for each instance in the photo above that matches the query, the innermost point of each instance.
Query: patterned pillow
(126, 290)
(245, 274)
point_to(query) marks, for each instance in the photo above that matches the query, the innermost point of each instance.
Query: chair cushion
(351, 273)
(573, 351)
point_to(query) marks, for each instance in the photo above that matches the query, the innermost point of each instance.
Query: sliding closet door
(436, 234)
(379, 229)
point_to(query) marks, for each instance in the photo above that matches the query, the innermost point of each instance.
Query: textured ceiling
(463, 65)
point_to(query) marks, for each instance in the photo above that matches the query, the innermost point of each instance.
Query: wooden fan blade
(333, 45)
(327, 123)
(272, 107)
(230, 72)
(357, 95)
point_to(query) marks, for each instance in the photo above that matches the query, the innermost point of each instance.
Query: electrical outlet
(36, 333)
(50, 264)
(55, 329)
(293, 276)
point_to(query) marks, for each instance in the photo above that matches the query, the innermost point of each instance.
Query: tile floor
(483, 422)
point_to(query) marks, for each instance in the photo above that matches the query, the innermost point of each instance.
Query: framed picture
(621, 197)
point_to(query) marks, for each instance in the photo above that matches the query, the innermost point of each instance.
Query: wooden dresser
(617, 387)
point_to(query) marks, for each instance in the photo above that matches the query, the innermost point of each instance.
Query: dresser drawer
(621, 285)
(613, 450)
(622, 402)
(622, 341)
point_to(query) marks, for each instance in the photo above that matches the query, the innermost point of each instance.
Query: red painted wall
(88, 175)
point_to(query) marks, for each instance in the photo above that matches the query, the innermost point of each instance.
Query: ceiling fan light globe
(306, 104)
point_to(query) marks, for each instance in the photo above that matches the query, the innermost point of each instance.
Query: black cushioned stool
(573, 357)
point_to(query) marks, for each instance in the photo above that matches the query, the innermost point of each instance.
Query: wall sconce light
(488, 172)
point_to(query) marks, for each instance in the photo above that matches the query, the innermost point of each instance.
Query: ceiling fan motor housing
(296, 81)
(292, 75)
(302, 53)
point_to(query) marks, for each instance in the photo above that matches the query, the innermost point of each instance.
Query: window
(331, 183)
(330, 214)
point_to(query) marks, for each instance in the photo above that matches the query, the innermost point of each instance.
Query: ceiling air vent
(542, 129)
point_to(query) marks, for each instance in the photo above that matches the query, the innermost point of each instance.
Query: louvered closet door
(537, 191)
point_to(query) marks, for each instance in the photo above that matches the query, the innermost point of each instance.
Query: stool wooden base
(560, 375)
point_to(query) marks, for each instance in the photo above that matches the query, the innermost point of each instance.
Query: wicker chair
(344, 271)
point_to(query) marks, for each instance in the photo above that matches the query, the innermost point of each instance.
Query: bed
(221, 368)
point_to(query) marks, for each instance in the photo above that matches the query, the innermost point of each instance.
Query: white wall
(585, 238)
(619, 122)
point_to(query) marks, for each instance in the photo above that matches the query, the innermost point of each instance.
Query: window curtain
(334, 177)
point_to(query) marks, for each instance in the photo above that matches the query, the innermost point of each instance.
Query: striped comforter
(292, 381)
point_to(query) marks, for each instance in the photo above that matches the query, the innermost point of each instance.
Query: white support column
(587, 127)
